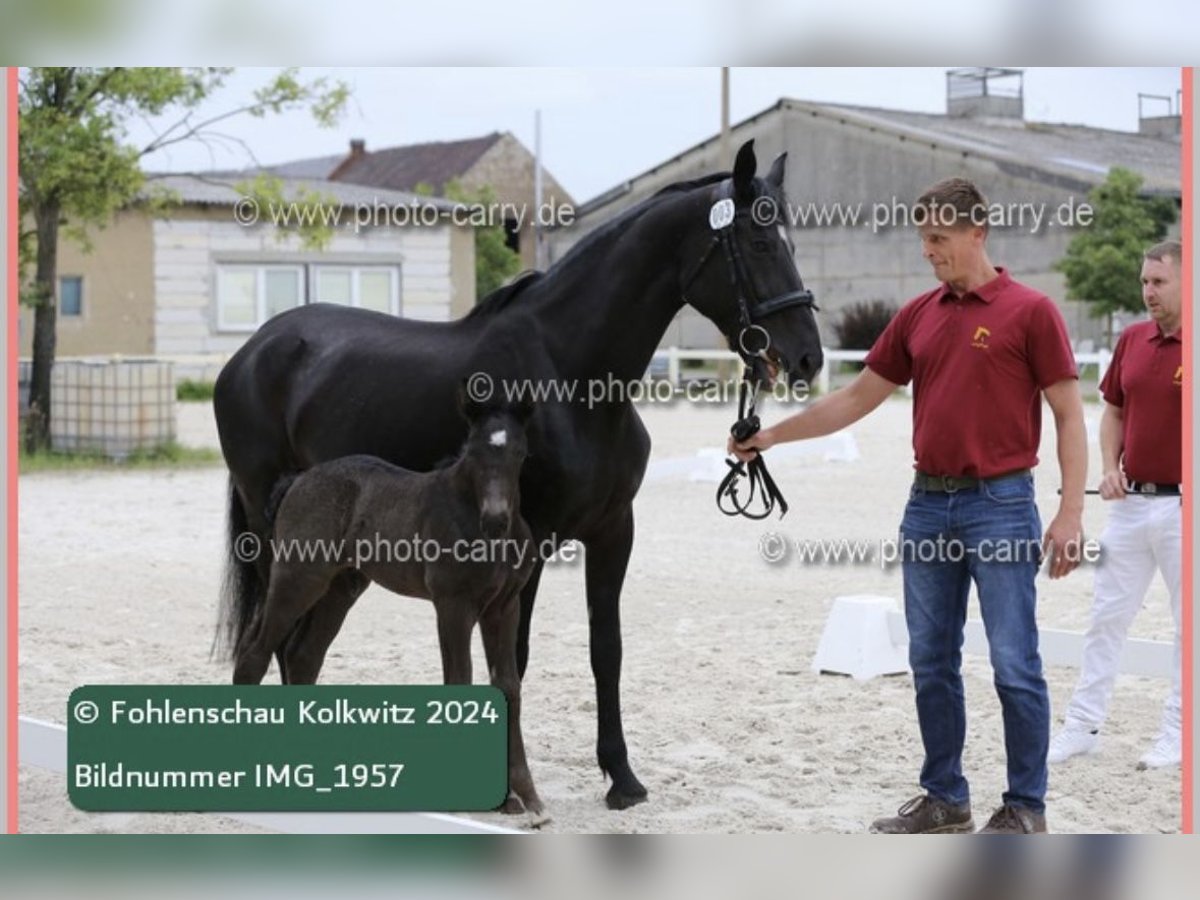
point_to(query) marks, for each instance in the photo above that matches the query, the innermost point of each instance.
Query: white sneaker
(1167, 751)
(1073, 740)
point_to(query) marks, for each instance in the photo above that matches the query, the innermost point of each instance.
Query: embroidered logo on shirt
(1178, 379)
(980, 338)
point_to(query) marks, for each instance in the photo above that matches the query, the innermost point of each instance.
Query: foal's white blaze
(495, 500)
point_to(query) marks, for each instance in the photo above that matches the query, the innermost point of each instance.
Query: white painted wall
(187, 251)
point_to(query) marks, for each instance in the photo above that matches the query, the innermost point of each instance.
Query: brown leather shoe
(1010, 819)
(927, 815)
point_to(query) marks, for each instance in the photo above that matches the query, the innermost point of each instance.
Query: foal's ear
(522, 410)
(743, 171)
(468, 406)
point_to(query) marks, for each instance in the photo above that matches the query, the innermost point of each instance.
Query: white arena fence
(668, 364)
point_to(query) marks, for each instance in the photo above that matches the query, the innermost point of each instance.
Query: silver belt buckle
(1150, 488)
(948, 484)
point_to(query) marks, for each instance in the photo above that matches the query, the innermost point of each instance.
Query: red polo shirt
(1145, 379)
(978, 365)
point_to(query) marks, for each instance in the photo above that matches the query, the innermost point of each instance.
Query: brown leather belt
(949, 484)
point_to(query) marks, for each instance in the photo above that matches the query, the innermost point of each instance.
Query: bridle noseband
(751, 310)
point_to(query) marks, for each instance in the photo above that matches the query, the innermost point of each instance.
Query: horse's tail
(243, 590)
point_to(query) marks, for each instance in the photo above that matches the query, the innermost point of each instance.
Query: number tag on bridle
(721, 214)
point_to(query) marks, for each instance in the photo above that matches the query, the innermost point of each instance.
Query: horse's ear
(775, 176)
(743, 171)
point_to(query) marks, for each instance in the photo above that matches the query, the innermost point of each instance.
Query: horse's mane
(620, 221)
(679, 186)
(503, 296)
(447, 461)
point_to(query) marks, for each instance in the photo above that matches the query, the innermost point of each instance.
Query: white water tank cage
(115, 407)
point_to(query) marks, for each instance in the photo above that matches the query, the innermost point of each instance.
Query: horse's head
(495, 450)
(739, 270)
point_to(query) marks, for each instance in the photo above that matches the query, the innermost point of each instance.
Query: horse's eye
(760, 246)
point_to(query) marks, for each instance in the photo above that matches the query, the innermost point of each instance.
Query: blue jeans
(990, 535)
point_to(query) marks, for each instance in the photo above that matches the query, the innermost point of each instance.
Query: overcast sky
(602, 126)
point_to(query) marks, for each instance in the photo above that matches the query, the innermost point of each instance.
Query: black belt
(1148, 487)
(948, 484)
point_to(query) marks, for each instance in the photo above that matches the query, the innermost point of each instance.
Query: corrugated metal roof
(205, 189)
(1073, 151)
(316, 167)
(1077, 153)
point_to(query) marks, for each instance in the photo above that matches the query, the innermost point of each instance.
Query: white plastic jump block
(865, 636)
(858, 639)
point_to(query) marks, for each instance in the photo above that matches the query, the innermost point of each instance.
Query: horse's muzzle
(494, 525)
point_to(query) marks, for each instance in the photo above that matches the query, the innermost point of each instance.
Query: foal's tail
(278, 492)
(243, 590)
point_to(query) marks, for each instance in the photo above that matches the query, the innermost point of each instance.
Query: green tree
(495, 261)
(76, 168)
(1103, 261)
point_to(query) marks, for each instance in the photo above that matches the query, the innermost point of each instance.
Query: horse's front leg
(528, 596)
(456, 618)
(606, 561)
(499, 628)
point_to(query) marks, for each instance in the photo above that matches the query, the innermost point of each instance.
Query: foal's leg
(455, 620)
(305, 650)
(291, 593)
(605, 565)
(499, 627)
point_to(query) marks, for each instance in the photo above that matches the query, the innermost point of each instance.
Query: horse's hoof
(624, 797)
(513, 806)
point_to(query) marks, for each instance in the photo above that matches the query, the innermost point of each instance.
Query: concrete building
(849, 168)
(191, 282)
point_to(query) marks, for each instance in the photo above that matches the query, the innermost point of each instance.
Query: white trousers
(1143, 534)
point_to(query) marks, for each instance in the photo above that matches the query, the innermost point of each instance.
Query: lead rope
(762, 485)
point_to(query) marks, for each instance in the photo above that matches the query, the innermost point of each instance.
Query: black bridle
(751, 311)
(750, 308)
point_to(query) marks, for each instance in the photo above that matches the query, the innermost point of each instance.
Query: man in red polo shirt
(981, 351)
(1141, 427)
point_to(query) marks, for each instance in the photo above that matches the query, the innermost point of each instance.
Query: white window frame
(260, 292)
(355, 270)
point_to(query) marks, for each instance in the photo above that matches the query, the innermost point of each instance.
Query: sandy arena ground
(727, 726)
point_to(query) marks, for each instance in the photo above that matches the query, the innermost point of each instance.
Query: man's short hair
(960, 195)
(1164, 250)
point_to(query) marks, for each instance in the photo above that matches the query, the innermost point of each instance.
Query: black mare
(323, 381)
